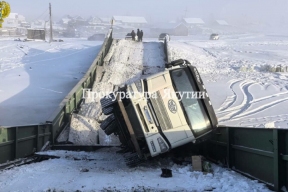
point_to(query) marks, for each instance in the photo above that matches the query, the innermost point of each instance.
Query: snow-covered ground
(105, 170)
(236, 73)
(242, 91)
(35, 76)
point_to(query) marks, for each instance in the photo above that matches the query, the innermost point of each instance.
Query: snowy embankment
(35, 76)
(125, 62)
(105, 170)
(234, 70)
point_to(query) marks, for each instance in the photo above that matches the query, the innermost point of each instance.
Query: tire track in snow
(268, 97)
(245, 105)
(240, 106)
(209, 52)
(230, 100)
(236, 114)
(260, 109)
(264, 119)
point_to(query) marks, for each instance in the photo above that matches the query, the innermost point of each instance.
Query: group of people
(139, 35)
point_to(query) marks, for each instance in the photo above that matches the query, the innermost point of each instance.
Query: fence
(21, 141)
(258, 153)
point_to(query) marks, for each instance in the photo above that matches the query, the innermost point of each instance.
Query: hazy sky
(156, 10)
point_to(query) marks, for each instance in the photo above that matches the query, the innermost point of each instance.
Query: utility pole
(186, 12)
(51, 35)
(45, 29)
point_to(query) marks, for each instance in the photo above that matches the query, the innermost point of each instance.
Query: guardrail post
(16, 143)
(75, 100)
(276, 159)
(228, 147)
(50, 127)
(37, 137)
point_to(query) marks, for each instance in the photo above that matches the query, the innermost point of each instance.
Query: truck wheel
(108, 100)
(107, 122)
(107, 110)
(110, 128)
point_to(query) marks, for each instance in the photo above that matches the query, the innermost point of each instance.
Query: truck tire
(108, 100)
(107, 110)
(107, 122)
(110, 128)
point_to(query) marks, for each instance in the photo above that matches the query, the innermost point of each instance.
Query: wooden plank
(129, 126)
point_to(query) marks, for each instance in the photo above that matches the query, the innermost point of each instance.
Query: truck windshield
(193, 107)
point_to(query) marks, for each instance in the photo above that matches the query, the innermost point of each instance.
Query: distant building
(193, 21)
(13, 20)
(14, 25)
(221, 22)
(39, 24)
(175, 29)
(195, 25)
(79, 19)
(65, 20)
(106, 20)
(222, 27)
(36, 34)
(94, 21)
(130, 21)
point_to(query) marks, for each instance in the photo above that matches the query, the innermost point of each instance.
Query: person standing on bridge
(138, 34)
(141, 35)
(133, 35)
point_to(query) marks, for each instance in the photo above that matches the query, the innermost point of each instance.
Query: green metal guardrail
(21, 141)
(62, 115)
(258, 153)
(255, 152)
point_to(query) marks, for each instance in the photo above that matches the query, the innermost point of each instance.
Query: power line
(46, 10)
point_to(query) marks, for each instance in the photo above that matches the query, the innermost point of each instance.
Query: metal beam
(7, 143)
(254, 151)
(218, 143)
(129, 126)
(71, 147)
(276, 160)
(229, 152)
(16, 143)
(285, 157)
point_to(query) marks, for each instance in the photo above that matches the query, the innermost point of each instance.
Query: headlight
(162, 145)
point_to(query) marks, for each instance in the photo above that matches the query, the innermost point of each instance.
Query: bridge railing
(62, 115)
(259, 153)
(23, 140)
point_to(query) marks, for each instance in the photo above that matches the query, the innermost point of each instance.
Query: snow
(35, 76)
(242, 93)
(125, 62)
(105, 170)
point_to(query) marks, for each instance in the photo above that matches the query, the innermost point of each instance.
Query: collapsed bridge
(245, 150)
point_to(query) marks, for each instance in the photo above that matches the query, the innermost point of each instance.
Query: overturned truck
(161, 112)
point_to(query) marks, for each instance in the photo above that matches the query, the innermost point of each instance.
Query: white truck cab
(161, 112)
